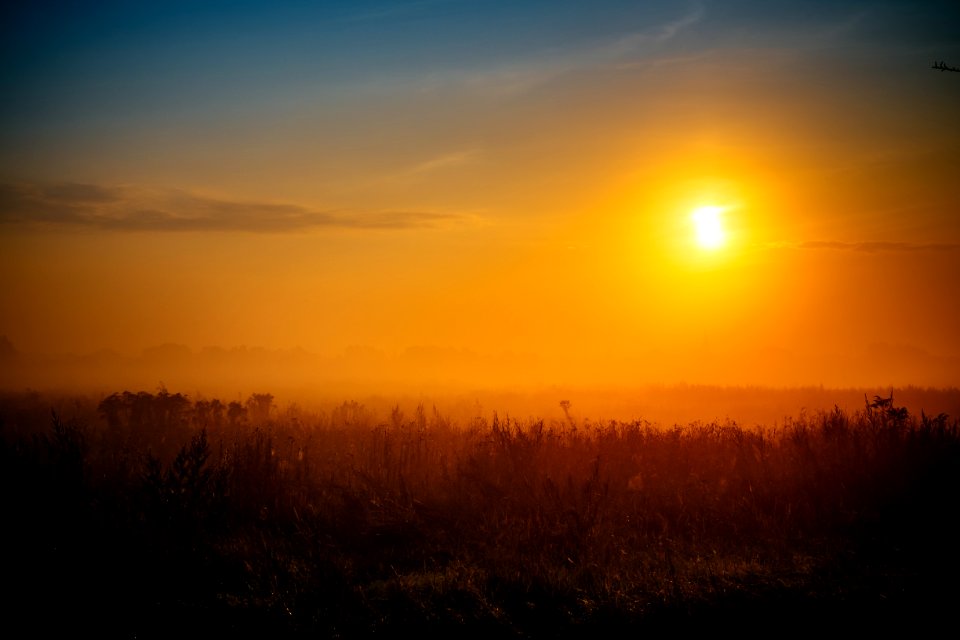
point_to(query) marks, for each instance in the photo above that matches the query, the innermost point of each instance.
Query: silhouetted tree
(201, 413)
(235, 413)
(258, 407)
(141, 409)
(170, 409)
(216, 412)
(113, 409)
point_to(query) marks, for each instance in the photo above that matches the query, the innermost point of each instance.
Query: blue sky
(69, 65)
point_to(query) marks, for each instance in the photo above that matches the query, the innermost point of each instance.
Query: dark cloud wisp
(122, 208)
(877, 247)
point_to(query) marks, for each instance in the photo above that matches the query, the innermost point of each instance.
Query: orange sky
(534, 203)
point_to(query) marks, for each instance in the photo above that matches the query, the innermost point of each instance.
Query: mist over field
(464, 383)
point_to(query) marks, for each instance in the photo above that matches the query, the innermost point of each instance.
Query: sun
(708, 226)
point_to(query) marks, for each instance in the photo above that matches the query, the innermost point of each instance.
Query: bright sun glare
(708, 226)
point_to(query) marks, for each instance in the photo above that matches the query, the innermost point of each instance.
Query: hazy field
(151, 514)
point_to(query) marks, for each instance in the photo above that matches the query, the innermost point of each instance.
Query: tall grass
(153, 515)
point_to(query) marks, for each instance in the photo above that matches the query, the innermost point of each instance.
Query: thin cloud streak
(533, 71)
(440, 163)
(444, 161)
(121, 208)
(877, 247)
(641, 41)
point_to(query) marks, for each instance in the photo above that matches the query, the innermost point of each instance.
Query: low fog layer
(463, 384)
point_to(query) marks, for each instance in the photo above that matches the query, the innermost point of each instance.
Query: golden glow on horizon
(699, 243)
(708, 226)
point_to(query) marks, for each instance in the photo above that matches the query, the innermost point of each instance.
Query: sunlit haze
(474, 194)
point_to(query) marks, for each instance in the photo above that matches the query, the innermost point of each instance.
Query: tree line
(164, 411)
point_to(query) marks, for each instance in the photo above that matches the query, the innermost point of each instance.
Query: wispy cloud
(878, 247)
(646, 39)
(429, 166)
(125, 208)
(527, 73)
(443, 161)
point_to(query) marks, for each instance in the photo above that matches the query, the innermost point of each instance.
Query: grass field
(154, 515)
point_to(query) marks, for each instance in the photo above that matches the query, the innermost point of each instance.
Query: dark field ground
(152, 515)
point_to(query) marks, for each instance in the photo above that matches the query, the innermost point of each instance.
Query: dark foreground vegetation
(155, 516)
